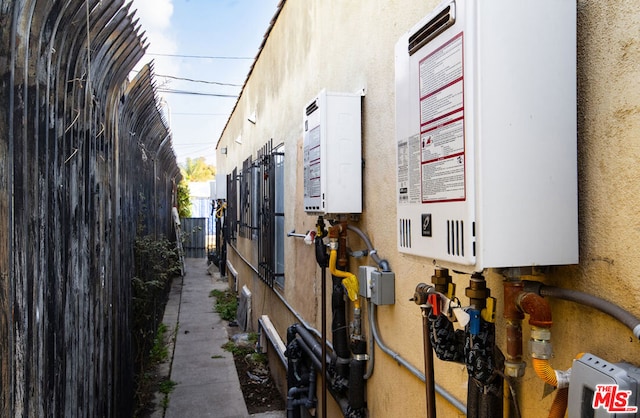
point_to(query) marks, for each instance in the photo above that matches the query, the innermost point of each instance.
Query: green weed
(226, 304)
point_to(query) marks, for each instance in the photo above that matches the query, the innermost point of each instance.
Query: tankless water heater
(332, 154)
(486, 135)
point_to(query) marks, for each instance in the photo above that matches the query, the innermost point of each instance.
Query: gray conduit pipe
(417, 373)
(383, 264)
(627, 318)
(372, 350)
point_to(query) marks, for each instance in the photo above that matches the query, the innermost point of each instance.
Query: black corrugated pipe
(448, 344)
(356, 378)
(294, 372)
(484, 395)
(339, 331)
(475, 347)
(482, 357)
(311, 348)
(321, 253)
(301, 374)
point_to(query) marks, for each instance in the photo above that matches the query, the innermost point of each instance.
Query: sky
(229, 30)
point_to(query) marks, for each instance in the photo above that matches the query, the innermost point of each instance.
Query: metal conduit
(627, 318)
(417, 373)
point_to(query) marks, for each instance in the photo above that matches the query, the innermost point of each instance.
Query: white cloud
(154, 14)
(155, 19)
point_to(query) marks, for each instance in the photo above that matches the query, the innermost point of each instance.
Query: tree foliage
(197, 170)
(184, 199)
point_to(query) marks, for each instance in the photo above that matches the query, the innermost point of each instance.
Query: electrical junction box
(486, 135)
(609, 387)
(332, 147)
(383, 287)
(379, 286)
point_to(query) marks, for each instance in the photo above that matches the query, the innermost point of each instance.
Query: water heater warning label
(312, 185)
(409, 170)
(442, 152)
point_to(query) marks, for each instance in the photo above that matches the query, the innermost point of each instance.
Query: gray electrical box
(602, 389)
(383, 287)
(364, 280)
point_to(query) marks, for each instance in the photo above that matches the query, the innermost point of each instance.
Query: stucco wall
(349, 46)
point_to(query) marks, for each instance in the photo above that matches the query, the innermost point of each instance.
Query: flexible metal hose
(560, 402)
(544, 371)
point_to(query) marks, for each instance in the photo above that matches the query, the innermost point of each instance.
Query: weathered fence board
(85, 162)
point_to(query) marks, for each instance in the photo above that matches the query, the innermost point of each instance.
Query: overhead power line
(198, 81)
(218, 83)
(197, 93)
(201, 57)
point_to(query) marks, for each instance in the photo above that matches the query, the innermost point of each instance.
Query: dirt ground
(258, 388)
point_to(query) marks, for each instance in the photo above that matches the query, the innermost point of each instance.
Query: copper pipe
(537, 307)
(513, 317)
(429, 379)
(342, 246)
(441, 280)
(514, 340)
(477, 292)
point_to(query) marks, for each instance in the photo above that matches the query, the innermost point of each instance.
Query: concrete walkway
(207, 382)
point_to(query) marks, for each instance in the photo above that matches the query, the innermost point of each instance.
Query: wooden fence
(85, 162)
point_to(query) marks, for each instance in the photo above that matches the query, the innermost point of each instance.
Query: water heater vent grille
(312, 108)
(455, 238)
(405, 233)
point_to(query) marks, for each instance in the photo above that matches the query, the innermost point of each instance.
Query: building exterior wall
(349, 47)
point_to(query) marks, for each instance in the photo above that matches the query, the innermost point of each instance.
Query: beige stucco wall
(348, 46)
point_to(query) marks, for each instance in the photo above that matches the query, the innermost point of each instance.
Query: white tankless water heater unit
(486, 135)
(332, 148)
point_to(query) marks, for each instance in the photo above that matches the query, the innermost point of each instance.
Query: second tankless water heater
(332, 154)
(486, 135)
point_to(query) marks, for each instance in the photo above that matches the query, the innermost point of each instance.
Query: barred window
(232, 204)
(249, 199)
(255, 209)
(271, 231)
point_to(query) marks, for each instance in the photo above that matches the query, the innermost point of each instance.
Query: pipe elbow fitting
(537, 307)
(335, 231)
